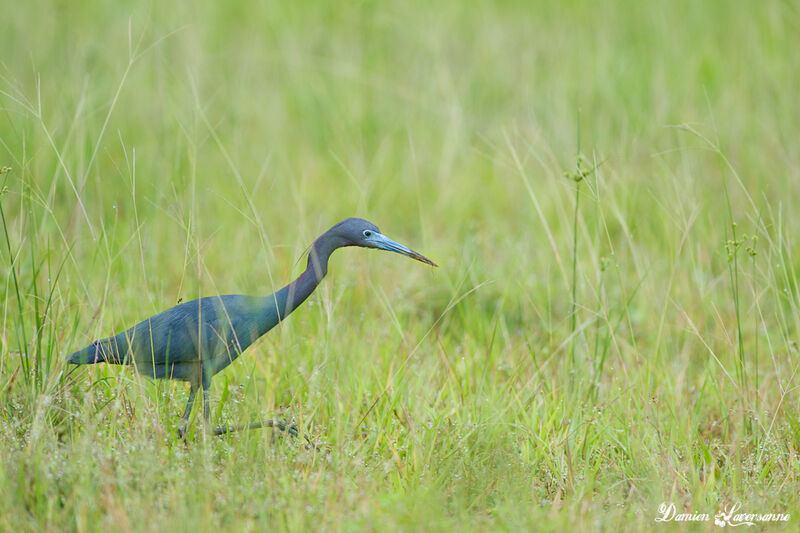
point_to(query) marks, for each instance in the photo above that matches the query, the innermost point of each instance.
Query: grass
(588, 349)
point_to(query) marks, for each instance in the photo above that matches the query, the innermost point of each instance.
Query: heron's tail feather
(102, 351)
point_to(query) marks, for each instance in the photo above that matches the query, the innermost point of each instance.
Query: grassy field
(610, 190)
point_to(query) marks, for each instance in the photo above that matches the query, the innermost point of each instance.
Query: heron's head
(360, 232)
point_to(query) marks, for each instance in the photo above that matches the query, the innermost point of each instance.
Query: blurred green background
(593, 344)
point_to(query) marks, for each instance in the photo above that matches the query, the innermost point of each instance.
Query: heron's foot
(294, 432)
(291, 429)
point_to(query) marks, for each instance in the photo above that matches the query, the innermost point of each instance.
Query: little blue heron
(195, 340)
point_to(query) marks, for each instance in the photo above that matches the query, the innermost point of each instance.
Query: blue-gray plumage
(195, 340)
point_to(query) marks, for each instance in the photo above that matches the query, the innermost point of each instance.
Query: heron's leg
(206, 408)
(206, 394)
(185, 418)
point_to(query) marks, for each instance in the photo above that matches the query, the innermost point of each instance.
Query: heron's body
(192, 339)
(195, 340)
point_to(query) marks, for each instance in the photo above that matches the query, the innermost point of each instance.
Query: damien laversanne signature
(728, 515)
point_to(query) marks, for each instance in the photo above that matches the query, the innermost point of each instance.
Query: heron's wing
(211, 327)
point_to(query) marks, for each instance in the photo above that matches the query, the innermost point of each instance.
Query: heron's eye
(367, 233)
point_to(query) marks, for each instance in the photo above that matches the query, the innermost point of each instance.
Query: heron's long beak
(383, 242)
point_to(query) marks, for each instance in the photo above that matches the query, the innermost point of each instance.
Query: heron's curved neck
(294, 294)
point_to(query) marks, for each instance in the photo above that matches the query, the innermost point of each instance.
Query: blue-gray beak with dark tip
(381, 241)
